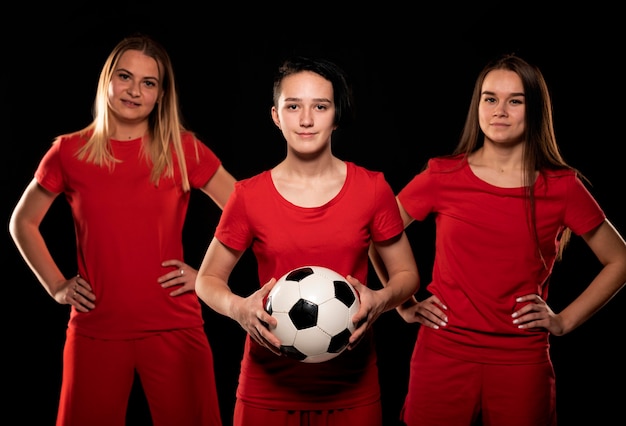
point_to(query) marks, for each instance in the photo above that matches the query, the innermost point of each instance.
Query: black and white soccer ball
(314, 306)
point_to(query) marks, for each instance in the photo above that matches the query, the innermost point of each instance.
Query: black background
(413, 71)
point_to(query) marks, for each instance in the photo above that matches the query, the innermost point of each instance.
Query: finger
(434, 301)
(80, 295)
(172, 262)
(75, 289)
(180, 289)
(265, 318)
(172, 275)
(268, 287)
(433, 322)
(73, 297)
(356, 337)
(84, 284)
(268, 339)
(177, 273)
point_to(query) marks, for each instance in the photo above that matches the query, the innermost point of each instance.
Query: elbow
(15, 229)
(416, 283)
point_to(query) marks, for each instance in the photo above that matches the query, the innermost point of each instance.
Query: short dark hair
(342, 91)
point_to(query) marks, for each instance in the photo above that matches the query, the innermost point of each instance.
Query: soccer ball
(314, 306)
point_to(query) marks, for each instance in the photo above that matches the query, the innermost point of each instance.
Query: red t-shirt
(284, 236)
(125, 227)
(486, 256)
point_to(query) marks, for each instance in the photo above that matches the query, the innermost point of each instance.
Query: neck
(122, 132)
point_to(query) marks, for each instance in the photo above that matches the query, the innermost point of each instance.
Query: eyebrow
(293, 99)
(131, 73)
(488, 92)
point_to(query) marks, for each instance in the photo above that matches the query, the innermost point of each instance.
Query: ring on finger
(182, 272)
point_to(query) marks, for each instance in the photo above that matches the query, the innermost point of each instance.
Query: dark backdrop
(413, 75)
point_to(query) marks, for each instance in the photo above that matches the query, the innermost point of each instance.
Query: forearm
(35, 253)
(378, 264)
(602, 289)
(400, 288)
(217, 295)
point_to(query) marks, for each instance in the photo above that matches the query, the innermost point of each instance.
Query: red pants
(246, 415)
(445, 391)
(176, 371)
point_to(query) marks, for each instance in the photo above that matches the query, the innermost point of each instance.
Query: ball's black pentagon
(292, 352)
(299, 274)
(303, 314)
(339, 341)
(344, 293)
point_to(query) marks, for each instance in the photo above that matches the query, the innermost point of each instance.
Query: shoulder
(366, 181)
(255, 181)
(567, 182)
(189, 139)
(560, 173)
(74, 137)
(71, 141)
(192, 145)
(360, 172)
(446, 163)
(188, 136)
(253, 190)
(562, 178)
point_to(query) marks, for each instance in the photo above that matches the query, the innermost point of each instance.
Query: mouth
(130, 103)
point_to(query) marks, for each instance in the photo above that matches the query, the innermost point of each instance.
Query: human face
(502, 107)
(305, 112)
(134, 88)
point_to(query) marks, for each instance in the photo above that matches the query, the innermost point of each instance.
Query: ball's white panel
(317, 289)
(284, 330)
(333, 317)
(283, 295)
(312, 341)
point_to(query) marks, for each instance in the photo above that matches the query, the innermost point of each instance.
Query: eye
(123, 76)
(517, 101)
(291, 106)
(490, 100)
(321, 107)
(149, 83)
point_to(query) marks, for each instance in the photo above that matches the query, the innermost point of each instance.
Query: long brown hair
(541, 151)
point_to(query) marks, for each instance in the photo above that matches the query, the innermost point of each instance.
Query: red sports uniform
(284, 236)
(485, 258)
(125, 227)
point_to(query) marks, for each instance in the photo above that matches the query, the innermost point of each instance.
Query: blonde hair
(164, 123)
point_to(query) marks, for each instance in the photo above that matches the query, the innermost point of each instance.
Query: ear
(275, 117)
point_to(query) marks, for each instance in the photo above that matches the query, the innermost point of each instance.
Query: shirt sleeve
(49, 173)
(233, 229)
(387, 219)
(417, 197)
(583, 213)
(202, 162)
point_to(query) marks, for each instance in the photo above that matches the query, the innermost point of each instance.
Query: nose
(306, 118)
(500, 110)
(133, 89)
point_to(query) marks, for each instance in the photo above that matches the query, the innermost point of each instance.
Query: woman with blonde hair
(127, 177)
